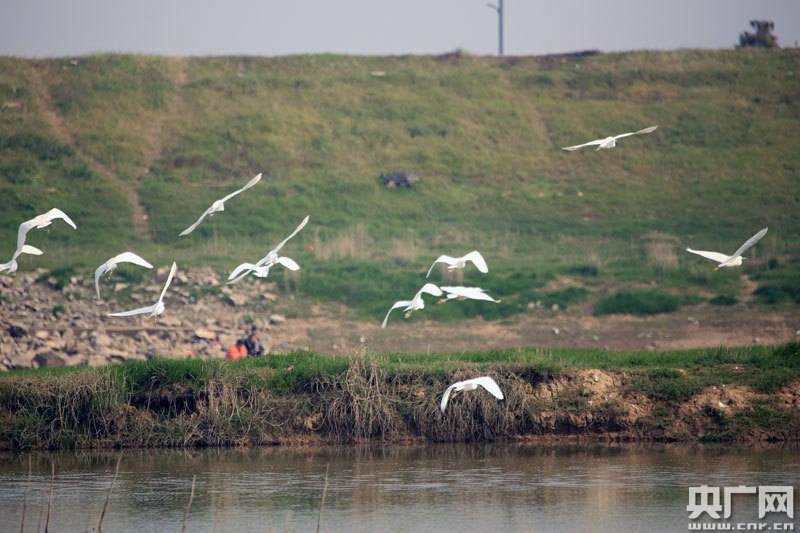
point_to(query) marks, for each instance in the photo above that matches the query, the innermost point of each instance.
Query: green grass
(261, 400)
(483, 133)
(637, 303)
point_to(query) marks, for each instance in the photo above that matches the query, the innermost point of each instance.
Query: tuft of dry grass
(353, 243)
(363, 408)
(404, 251)
(660, 249)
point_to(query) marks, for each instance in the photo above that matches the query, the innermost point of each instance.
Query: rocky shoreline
(46, 323)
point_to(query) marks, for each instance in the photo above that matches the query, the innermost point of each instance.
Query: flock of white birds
(262, 267)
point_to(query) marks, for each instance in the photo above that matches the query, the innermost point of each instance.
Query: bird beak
(408, 314)
(443, 300)
(716, 268)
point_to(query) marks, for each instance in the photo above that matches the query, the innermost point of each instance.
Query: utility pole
(499, 8)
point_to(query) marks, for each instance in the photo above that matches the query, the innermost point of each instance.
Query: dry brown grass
(353, 243)
(661, 250)
(405, 251)
(363, 408)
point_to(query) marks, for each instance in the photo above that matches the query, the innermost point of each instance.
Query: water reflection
(395, 488)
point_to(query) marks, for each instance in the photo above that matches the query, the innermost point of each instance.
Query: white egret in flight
(460, 262)
(469, 385)
(111, 265)
(158, 307)
(609, 142)
(261, 268)
(733, 260)
(416, 303)
(219, 205)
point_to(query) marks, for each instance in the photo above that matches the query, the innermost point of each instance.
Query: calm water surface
(398, 488)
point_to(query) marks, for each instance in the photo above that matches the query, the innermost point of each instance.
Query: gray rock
(101, 339)
(18, 331)
(202, 333)
(21, 359)
(237, 300)
(48, 360)
(170, 320)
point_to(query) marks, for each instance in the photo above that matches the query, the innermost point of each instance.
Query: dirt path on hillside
(66, 136)
(153, 135)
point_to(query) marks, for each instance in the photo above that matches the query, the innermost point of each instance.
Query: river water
(495, 487)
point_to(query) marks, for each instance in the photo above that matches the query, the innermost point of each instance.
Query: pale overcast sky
(55, 28)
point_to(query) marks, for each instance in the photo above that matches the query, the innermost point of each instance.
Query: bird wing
(99, 271)
(28, 249)
(714, 256)
(401, 303)
(473, 293)
(191, 228)
(477, 260)
(140, 311)
(38, 221)
(446, 395)
(590, 143)
(288, 263)
(296, 230)
(130, 257)
(748, 243)
(23, 230)
(249, 184)
(241, 271)
(640, 132)
(491, 385)
(430, 288)
(58, 213)
(169, 280)
(442, 259)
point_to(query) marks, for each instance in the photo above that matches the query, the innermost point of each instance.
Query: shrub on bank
(637, 303)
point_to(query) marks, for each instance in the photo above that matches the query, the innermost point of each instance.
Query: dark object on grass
(637, 303)
(762, 38)
(723, 299)
(399, 179)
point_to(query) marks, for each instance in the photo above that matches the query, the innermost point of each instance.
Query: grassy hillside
(103, 136)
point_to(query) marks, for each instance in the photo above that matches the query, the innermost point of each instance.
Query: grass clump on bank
(637, 303)
(309, 397)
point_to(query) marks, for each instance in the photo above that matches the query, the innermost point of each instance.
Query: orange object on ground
(237, 351)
